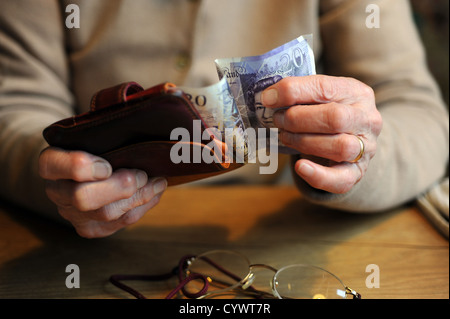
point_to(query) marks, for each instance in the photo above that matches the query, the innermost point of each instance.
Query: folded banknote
(233, 105)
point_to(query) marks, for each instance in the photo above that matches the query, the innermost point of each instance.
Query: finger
(56, 163)
(338, 179)
(97, 229)
(314, 89)
(328, 118)
(132, 216)
(93, 195)
(142, 197)
(335, 147)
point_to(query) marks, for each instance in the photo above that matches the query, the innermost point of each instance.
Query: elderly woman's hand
(333, 122)
(96, 200)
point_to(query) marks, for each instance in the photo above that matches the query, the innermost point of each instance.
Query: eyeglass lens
(307, 282)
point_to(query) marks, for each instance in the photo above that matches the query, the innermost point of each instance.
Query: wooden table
(272, 225)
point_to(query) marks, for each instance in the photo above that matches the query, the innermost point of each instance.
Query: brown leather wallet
(130, 127)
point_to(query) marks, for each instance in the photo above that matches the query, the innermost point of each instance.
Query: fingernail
(269, 97)
(101, 169)
(141, 179)
(306, 170)
(159, 185)
(278, 119)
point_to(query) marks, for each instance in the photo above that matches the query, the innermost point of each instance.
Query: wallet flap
(114, 95)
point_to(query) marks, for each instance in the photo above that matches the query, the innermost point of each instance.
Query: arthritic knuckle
(339, 117)
(367, 92)
(344, 147)
(327, 89)
(127, 183)
(288, 88)
(286, 85)
(78, 163)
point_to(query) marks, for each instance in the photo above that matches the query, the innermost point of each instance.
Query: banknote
(218, 109)
(249, 76)
(233, 105)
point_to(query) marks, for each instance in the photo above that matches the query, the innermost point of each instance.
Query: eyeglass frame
(244, 284)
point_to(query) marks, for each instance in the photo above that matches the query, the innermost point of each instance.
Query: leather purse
(130, 127)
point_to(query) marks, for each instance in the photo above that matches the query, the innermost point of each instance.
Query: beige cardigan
(48, 71)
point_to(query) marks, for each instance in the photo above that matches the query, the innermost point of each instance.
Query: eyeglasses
(220, 271)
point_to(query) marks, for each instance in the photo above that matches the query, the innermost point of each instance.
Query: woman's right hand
(97, 201)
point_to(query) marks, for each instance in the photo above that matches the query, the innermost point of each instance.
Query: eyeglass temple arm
(183, 281)
(116, 280)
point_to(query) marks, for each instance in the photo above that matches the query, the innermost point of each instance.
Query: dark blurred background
(431, 17)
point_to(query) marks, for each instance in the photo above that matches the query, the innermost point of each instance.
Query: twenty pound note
(234, 105)
(249, 76)
(217, 107)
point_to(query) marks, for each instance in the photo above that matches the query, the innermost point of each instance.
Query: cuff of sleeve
(435, 206)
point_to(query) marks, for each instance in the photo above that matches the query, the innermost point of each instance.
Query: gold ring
(361, 151)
